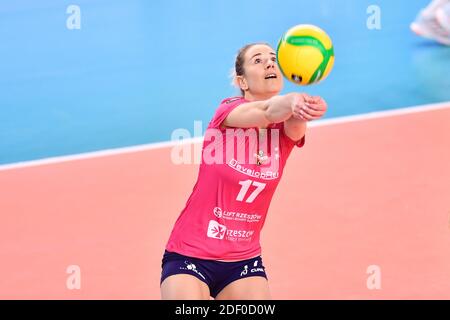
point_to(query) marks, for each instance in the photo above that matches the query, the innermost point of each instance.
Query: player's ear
(241, 83)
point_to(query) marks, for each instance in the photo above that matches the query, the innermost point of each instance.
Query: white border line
(382, 114)
(97, 154)
(168, 144)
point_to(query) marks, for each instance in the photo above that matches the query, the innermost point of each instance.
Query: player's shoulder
(232, 99)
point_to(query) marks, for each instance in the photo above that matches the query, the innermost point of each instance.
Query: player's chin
(274, 88)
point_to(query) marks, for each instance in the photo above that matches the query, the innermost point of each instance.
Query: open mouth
(271, 76)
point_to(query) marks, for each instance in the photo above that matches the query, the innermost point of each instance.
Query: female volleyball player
(214, 247)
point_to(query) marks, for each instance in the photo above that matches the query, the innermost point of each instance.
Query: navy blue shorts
(216, 274)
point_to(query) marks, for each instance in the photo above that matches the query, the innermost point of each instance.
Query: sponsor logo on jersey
(219, 231)
(266, 175)
(236, 216)
(216, 230)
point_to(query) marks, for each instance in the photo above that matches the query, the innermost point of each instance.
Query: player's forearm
(261, 113)
(278, 108)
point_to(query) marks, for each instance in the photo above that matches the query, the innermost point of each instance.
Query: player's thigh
(250, 288)
(184, 287)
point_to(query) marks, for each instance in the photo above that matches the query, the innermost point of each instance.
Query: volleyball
(305, 54)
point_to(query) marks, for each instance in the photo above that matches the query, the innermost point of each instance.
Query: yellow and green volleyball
(305, 54)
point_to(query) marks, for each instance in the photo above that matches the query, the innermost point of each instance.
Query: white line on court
(168, 144)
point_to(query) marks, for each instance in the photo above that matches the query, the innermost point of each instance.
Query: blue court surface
(137, 70)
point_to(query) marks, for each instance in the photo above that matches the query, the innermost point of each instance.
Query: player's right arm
(262, 113)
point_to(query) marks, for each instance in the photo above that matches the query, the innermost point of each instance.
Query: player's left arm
(313, 108)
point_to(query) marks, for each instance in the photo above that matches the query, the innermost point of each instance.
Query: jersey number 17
(244, 189)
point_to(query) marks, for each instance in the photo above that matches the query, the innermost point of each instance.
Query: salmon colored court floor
(362, 212)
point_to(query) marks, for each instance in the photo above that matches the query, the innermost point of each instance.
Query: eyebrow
(258, 54)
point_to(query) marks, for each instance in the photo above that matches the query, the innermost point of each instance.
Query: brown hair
(239, 62)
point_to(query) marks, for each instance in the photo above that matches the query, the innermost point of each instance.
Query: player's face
(262, 75)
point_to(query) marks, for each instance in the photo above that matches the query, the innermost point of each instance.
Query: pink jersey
(225, 213)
